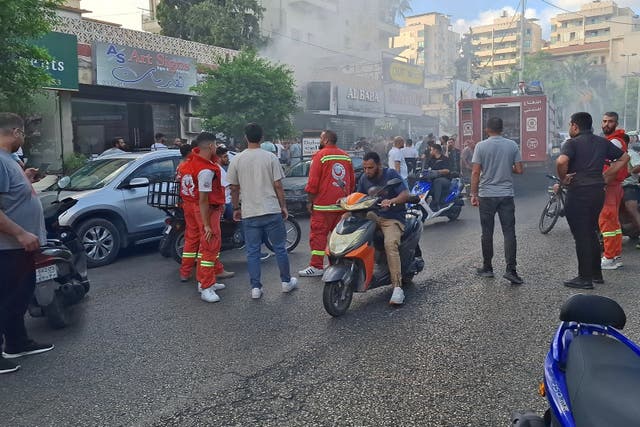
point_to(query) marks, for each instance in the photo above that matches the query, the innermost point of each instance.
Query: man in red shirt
(609, 220)
(203, 201)
(331, 177)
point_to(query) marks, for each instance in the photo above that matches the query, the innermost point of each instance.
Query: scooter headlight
(341, 243)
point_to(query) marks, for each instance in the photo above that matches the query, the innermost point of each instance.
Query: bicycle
(554, 207)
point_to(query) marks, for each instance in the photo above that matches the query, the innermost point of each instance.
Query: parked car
(296, 177)
(112, 211)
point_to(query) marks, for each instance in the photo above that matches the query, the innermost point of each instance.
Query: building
(111, 81)
(497, 45)
(428, 41)
(150, 18)
(595, 22)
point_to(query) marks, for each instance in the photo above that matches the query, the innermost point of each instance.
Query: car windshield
(97, 174)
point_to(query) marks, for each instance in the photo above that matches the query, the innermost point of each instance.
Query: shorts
(631, 192)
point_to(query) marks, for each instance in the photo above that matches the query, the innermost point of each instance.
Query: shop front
(44, 148)
(136, 94)
(358, 108)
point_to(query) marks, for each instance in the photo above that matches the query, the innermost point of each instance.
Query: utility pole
(638, 105)
(626, 85)
(523, 31)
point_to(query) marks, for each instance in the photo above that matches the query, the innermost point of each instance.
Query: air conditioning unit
(194, 125)
(192, 105)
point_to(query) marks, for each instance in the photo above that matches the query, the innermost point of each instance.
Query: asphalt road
(462, 351)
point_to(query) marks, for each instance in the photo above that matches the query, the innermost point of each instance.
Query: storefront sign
(403, 100)
(401, 72)
(134, 68)
(63, 67)
(359, 101)
(310, 145)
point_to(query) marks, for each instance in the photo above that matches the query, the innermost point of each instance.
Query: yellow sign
(405, 73)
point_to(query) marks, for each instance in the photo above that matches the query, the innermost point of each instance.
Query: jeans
(17, 282)
(582, 209)
(506, 210)
(258, 229)
(439, 190)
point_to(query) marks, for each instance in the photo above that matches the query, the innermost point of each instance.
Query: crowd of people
(600, 174)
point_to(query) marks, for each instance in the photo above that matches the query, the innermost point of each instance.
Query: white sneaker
(398, 296)
(216, 287)
(618, 261)
(256, 293)
(609, 264)
(289, 286)
(209, 295)
(311, 272)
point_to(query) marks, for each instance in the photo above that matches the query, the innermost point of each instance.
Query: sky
(128, 13)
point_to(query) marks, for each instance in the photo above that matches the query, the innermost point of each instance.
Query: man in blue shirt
(390, 220)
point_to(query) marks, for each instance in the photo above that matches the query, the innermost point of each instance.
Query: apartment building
(497, 45)
(598, 21)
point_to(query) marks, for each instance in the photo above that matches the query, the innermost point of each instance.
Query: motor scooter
(61, 267)
(452, 205)
(357, 260)
(165, 196)
(592, 371)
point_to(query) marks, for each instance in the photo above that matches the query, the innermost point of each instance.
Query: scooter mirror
(394, 181)
(373, 191)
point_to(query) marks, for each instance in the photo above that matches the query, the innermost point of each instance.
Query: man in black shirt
(580, 169)
(440, 170)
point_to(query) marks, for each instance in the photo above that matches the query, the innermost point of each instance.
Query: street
(463, 351)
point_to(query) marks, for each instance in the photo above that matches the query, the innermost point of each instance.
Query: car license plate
(167, 229)
(46, 273)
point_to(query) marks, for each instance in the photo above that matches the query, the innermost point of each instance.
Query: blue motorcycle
(592, 371)
(452, 204)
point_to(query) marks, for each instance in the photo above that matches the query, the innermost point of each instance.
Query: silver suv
(112, 211)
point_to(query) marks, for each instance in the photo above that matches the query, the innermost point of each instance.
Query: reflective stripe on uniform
(188, 254)
(327, 208)
(207, 264)
(611, 233)
(319, 253)
(335, 157)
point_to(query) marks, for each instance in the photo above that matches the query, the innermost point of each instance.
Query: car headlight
(340, 243)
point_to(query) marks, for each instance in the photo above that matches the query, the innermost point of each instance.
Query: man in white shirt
(117, 147)
(257, 175)
(396, 158)
(410, 154)
(161, 142)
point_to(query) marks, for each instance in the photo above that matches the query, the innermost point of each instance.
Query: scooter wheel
(56, 313)
(337, 297)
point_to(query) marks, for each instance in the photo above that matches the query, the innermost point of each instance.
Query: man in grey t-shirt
(21, 234)
(495, 160)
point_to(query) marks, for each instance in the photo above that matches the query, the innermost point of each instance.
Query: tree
(22, 22)
(234, 24)
(246, 89)
(467, 63)
(400, 8)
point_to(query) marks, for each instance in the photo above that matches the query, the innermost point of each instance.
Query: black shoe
(598, 280)
(7, 366)
(485, 272)
(29, 347)
(579, 283)
(513, 277)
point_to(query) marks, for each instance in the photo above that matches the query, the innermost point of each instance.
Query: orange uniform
(207, 251)
(609, 220)
(328, 166)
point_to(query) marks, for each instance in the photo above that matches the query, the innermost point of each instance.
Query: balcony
(323, 5)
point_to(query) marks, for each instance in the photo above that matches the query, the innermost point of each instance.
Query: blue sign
(133, 68)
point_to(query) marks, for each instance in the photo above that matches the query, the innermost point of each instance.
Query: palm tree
(400, 8)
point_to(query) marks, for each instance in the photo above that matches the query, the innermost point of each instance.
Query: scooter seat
(603, 380)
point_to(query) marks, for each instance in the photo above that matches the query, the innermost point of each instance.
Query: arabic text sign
(133, 68)
(401, 72)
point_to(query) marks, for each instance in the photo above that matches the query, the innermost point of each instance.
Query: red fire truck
(529, 119)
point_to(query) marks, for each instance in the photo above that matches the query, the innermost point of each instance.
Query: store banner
(402, 72)
(360, 101)
(399, 99)
(63, 67)
(133, 68)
